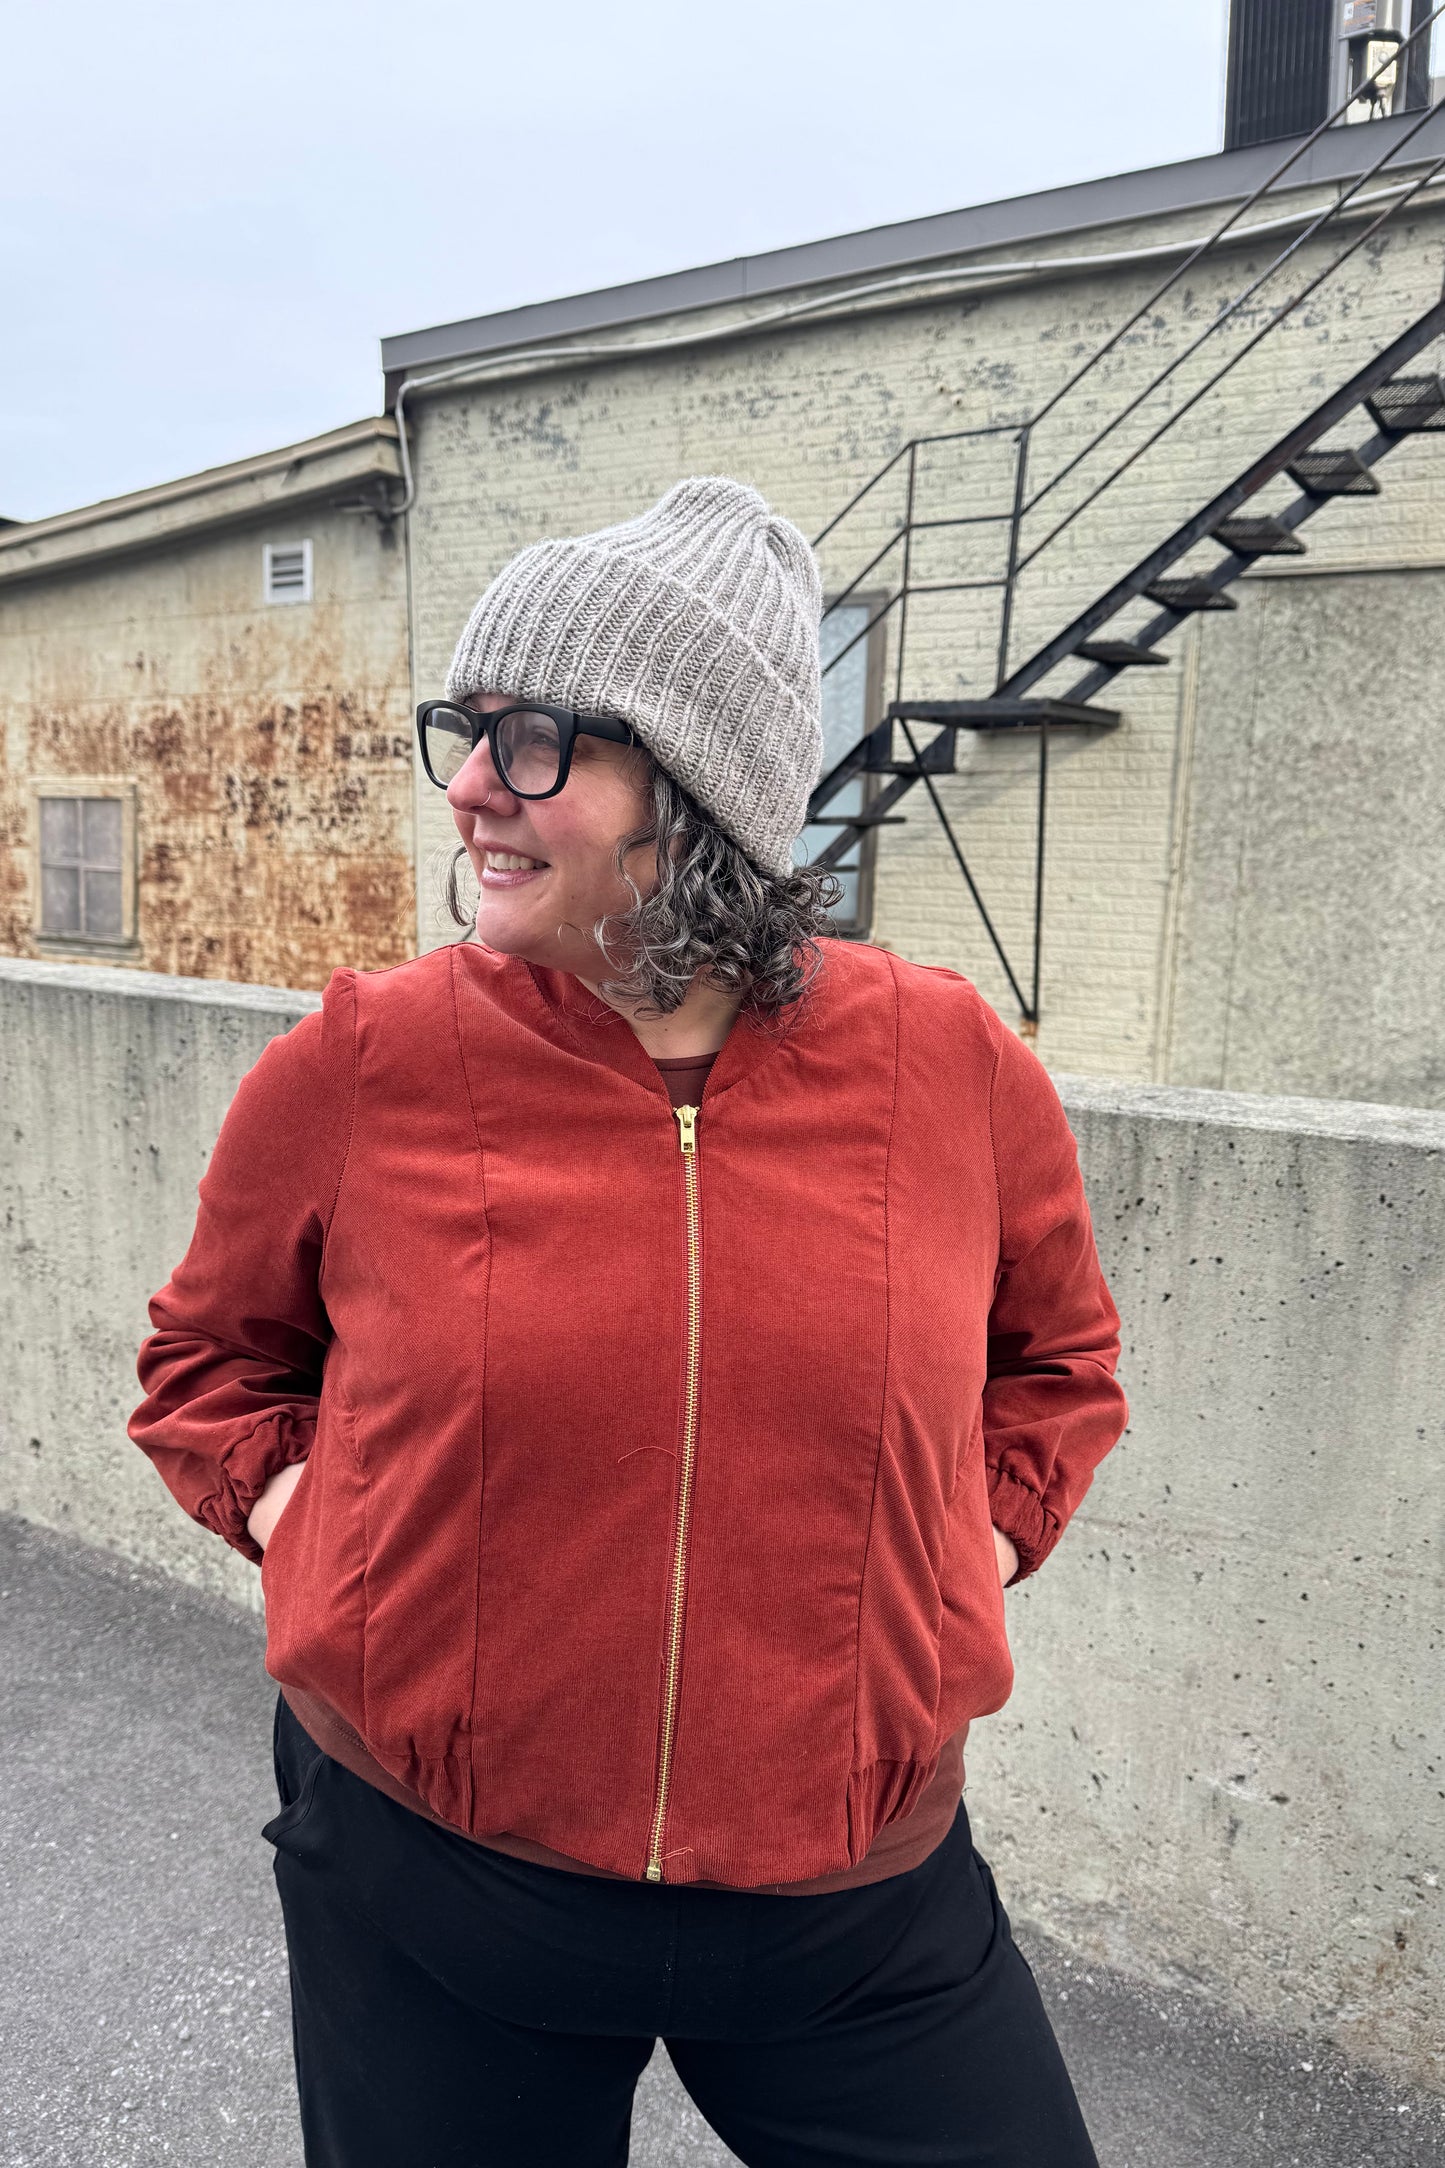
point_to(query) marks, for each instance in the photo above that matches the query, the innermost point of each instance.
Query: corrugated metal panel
(1279, 69)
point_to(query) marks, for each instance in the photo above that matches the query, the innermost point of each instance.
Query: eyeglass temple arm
(605, 727)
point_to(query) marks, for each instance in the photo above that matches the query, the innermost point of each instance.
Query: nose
(477, 783)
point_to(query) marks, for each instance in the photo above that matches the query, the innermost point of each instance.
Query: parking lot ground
(144, 2014)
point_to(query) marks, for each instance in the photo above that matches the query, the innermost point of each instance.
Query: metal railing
(910, 525)
(871, 760)
(898, 552)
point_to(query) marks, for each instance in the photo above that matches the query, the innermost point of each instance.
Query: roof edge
(204, 479)
(355, 456)
(1217, 178)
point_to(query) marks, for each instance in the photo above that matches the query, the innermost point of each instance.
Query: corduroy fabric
(442, 1256)
(898, 1847)
(696, 622)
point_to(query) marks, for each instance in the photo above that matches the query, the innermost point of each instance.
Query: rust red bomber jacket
(650, 1459)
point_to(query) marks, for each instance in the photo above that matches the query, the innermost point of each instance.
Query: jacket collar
(565, 1011)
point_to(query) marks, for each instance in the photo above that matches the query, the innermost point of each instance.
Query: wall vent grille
(286, 571)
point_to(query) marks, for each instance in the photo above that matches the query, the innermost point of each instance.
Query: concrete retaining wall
(1222, 1762)
(113, 1085)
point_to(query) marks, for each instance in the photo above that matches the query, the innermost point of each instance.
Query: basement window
(86, 850)
(286, 571)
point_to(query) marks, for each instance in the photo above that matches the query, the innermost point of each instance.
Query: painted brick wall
(269, 746)
(808, 413)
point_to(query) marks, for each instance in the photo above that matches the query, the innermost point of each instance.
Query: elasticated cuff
(248, 1468)
(1024, 1519)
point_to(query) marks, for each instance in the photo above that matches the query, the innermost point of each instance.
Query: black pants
(453, 2007)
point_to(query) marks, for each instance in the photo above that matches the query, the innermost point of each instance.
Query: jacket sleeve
(232, 1371)
(1051, 1406)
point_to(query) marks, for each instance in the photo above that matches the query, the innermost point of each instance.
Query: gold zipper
(687, 1139)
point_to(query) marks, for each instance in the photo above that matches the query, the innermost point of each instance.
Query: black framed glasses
(531, 745)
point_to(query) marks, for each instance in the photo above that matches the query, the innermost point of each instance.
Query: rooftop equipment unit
(1292, 62)
(1368, 35)
(1281, 58)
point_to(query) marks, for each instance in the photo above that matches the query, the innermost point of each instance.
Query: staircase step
(1119, 654)
(1333, 474)
(1185, 594)
(1010, 714)
(1409, 403)
(911, 767)
(1258, 538)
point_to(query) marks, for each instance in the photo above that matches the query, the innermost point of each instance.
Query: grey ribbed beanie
(696, 622)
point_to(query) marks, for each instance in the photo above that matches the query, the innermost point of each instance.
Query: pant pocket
(297, 1761)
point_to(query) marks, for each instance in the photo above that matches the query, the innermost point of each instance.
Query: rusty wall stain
(274, 835)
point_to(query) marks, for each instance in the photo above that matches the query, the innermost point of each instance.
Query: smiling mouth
(511, 862)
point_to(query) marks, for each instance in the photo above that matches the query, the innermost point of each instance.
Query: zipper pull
(687, 1129)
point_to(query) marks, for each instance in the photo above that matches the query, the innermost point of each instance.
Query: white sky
(211, 214)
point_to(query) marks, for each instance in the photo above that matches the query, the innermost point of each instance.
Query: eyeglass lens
(528, 747)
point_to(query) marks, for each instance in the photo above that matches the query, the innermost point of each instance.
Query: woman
(637, 1346)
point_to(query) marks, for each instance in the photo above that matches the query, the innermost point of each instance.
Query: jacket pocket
(275, 1541)
(975, 1662)
(313, 1570)
(425, 1595)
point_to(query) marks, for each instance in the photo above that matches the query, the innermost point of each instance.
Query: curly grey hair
(712, 912)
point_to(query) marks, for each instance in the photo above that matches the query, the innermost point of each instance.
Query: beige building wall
(810, 409)
(261, 750)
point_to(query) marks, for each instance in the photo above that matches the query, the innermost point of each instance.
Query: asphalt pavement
(144, 2012)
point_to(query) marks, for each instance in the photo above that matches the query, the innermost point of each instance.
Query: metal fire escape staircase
(1384, 393)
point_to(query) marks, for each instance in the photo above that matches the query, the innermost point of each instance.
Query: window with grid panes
(846, 701)
(80, 867)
